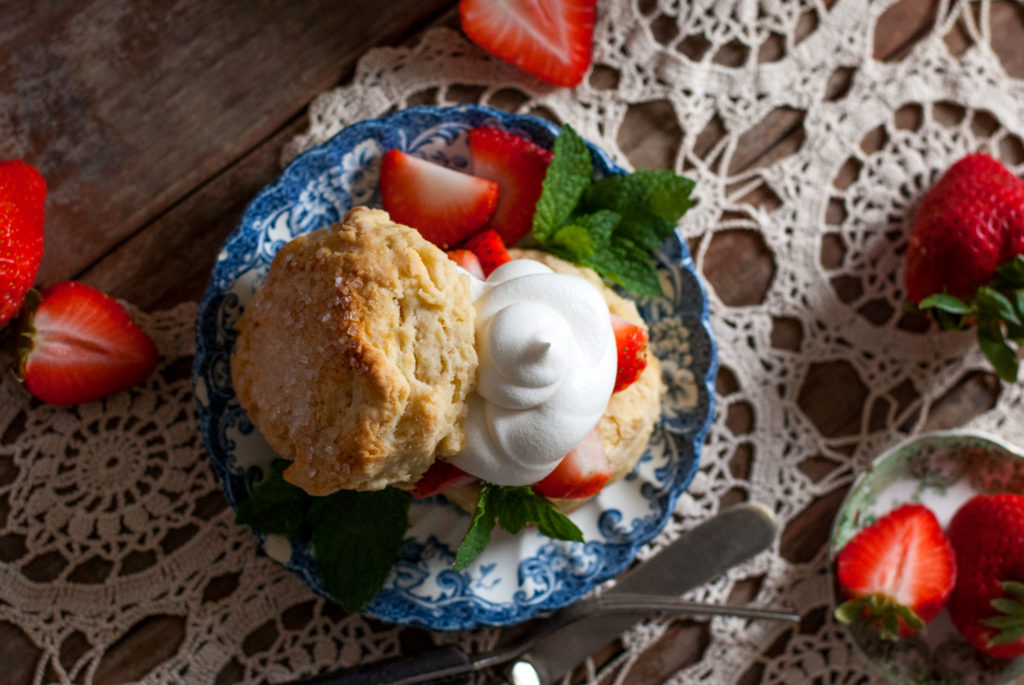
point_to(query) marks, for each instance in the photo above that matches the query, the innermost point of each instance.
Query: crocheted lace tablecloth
(114, 520)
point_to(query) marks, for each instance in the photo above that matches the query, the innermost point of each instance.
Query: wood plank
(126, 106)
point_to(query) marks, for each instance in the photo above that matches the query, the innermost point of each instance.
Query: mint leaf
(567, 177)
(513, 508)
(356, 538)
(650, 202)
(479, 533)
(628, 266)
(586, 234)
(521, 506)
(276, 506)
(575, 240)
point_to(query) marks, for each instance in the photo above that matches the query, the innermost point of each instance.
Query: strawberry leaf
(991, 302)
(1010, 622)
(946, 303)
(1010, 274)
(995, 348)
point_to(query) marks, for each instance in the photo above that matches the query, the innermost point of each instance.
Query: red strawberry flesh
(489, 249)
(84, 346)
(581, 473)
(903, 558)
(468, 261)
(550, 39)
(631, 346)
(518, 166)
(445, 205)
(22, 216)
(441, 476)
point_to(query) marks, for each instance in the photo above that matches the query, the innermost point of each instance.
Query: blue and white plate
(517, 577)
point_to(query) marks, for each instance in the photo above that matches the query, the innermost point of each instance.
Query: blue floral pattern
(517, 577)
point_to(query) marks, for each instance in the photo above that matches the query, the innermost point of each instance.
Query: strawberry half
(489, 249)
(468, 261)
(82, 346)
(987, 605)
(631, 345)
(898, 572)
(518, 167)
(439, 477)
(550, 39)
(22, 214)
(581, 473)
(447, 206)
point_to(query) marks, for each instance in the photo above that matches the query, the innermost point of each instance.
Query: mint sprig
(610, 225)
(355, 536)
(512, 508)
(996, 310)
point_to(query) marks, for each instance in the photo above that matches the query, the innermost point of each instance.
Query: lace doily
(114, 523)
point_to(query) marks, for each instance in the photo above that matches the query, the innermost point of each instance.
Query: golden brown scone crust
(629, 418)
(356, 355)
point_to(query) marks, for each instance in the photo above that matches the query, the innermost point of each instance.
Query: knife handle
(402, 670)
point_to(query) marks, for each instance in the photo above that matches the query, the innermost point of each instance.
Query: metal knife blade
(699, 555)
(706, 551)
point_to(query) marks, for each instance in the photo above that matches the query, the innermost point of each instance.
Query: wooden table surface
(154, 124)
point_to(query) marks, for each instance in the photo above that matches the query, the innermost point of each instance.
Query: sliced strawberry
(489, 249)
(550, 39)
(22, 214)
(468, 261)
(581, 473)
(445, 205)
(82, 346)
(631, 344)
(518, 167)
(898, 572)
(439, 477)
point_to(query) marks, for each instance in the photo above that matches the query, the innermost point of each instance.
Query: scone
(630, 415)
(356, 355)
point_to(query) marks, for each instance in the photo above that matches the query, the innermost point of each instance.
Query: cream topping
(547, 369)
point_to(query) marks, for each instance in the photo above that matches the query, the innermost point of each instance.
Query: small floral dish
(517, 577)
(941, 470)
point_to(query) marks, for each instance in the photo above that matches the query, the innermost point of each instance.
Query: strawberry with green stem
(898, 572)
(987, 605)
(965, 258)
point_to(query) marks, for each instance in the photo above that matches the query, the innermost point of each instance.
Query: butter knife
(560, 642)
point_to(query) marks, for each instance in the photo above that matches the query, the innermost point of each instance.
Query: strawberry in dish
(425, 355)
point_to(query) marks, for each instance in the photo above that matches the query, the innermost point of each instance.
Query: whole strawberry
(965, 259)
(987, 605)
(22, 211)
(898, 572)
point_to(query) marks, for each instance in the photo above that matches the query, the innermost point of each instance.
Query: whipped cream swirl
(547, 368)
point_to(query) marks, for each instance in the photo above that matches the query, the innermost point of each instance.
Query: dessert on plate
(352, 363)
(367, 355)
